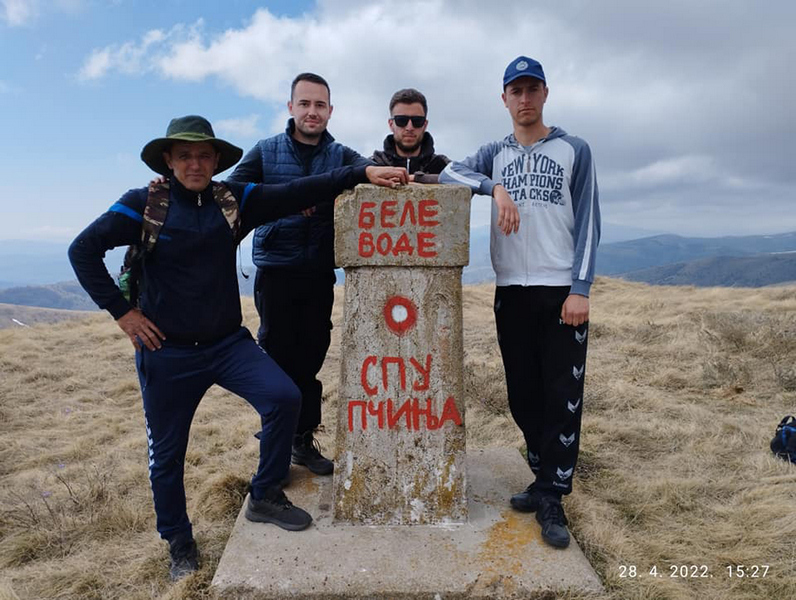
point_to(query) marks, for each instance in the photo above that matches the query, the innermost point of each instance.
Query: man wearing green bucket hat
(185, 321)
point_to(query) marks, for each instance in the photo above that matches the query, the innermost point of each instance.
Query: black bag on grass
(784, 442)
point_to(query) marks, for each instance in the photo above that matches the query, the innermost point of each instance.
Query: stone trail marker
(400, 442)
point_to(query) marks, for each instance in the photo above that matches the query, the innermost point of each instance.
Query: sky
(687, 106)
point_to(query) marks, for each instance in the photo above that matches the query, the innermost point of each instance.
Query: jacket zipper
(199, 199)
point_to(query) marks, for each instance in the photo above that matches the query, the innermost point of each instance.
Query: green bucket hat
(189, 129)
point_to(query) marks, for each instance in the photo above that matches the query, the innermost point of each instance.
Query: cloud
(672, 171)
(684, 104)
(18, 12)
(96, 65)
(130, 58)
(245, 127)
(23, 12)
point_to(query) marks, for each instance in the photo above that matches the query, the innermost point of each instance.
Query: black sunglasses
(402, 120)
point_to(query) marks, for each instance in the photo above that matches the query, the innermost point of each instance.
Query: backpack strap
(157, 205)
(229, 208)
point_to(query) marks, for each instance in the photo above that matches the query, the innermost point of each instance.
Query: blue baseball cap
(522, 66)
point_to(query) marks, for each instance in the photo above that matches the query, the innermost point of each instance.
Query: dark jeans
(545, 364)
(295, 329)
(173, 381)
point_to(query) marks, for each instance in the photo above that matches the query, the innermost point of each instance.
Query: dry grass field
(684, 389)
(11, 315)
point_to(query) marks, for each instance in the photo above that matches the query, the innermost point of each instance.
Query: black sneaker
(275, 508)
(184, 559)
(526, 500)
(307, 452)
(550, 515)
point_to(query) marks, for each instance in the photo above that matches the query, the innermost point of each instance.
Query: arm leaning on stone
(353, 158)
(475, 172)
(424, 178)
(250, 168)
(267, 202)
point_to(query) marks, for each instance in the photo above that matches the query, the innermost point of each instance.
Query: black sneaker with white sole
(550, 515)
(275, 508)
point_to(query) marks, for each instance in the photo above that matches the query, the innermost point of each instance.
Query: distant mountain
(612, 233)
(655, 251)
(68, 295)
(65, 295)
(725, 271)
(480, 268)
(27, 262)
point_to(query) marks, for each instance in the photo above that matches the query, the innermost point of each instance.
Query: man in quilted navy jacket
(294, 285)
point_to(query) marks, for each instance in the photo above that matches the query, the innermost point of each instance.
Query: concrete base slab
(498, 554)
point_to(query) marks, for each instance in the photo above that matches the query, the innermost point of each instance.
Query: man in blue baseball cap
(546, 203)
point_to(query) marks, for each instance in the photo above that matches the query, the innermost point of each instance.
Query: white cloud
(245, 127)
(18, 12)
(23, 12)
(679, 170)
(130, 58)
(96, 65)
(672, 121)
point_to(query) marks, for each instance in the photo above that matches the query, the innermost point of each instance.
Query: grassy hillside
(67, 295)
(11, 315)
(684, 389)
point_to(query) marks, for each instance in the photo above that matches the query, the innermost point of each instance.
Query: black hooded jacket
(426, 162)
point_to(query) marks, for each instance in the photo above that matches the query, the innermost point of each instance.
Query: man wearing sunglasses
(410, 145)
(294, 285)
(544, 272)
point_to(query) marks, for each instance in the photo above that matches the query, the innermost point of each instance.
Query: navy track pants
(173, 381)
(545, 364)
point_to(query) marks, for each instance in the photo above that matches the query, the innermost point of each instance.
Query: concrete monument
(400, 443)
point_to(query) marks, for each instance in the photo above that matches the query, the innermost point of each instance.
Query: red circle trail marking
(400, 314)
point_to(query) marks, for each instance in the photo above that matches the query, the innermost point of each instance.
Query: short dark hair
(312, 78)
(408, 96)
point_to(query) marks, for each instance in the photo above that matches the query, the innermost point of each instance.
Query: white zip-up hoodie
(554, 186)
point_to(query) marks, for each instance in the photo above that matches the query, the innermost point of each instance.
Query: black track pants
(545, 364)
(295, 330)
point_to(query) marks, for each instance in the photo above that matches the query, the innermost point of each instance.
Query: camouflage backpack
(157, 205)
